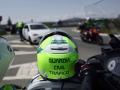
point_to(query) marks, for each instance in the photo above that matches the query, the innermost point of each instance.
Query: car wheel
(30, 41)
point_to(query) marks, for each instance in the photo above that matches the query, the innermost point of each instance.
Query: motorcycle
(88, 36)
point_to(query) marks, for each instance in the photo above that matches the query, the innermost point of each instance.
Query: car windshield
(36, 27)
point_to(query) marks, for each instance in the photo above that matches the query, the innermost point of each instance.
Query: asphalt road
(24, 68)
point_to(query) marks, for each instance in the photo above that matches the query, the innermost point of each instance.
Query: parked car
(33, 32)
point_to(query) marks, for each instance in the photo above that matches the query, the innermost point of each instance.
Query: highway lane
(24, 67)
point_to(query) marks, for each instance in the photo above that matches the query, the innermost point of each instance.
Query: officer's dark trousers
(21, 35)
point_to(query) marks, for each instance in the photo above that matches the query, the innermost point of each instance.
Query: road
(24, 68)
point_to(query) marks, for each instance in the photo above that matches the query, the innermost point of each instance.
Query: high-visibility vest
(19, 25)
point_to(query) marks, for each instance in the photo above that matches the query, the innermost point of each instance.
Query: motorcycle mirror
(6, 56)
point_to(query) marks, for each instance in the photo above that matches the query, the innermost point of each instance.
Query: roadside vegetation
(105, 25)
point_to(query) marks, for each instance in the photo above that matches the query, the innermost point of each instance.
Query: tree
(9, 22)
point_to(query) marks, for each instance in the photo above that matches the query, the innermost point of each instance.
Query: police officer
(19, 26)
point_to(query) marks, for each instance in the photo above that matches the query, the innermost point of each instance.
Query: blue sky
(49, 10)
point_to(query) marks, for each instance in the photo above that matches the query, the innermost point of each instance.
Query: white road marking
(16, 78)
(25, 52)
(15, 41)
(18, 42)
(7, 36)
(25, 45)
(26, 71)
(22, 46)
(77, 38)
(75, 30)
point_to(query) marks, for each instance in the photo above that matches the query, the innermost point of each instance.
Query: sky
(53, 10)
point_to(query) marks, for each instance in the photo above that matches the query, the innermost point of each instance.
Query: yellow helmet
(57, 55)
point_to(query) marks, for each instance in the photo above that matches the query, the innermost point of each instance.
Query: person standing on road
(19, 26)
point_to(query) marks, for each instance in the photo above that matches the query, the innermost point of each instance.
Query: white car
(33, 32)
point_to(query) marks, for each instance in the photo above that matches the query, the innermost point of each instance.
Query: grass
(108, 31)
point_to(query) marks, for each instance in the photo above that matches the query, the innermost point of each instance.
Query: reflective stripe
(69, 42)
